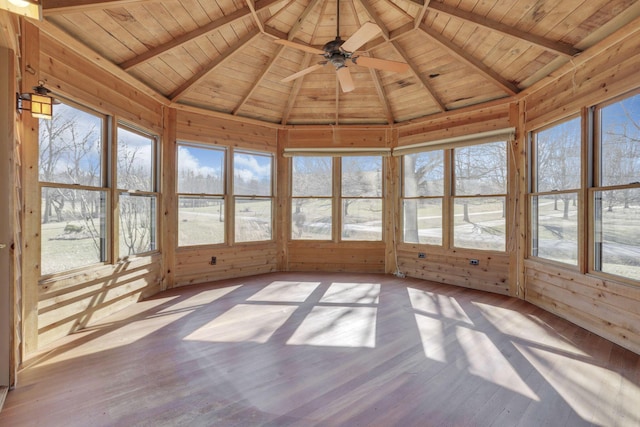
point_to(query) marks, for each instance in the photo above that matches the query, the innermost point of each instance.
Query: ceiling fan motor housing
(335, 54)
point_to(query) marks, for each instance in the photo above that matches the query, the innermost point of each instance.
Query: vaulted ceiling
(222, 55)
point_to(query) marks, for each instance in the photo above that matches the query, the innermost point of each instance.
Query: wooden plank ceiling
(220, 55)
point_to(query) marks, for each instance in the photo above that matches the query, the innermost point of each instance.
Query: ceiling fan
(338, 52)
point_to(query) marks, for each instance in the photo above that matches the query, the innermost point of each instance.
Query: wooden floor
(305, 349)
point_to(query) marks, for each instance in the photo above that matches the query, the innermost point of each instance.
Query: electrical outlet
(213, 260)
(422, 255)
(474, 262)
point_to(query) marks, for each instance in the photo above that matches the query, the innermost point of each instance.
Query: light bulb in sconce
(19, 3)
(28, 8)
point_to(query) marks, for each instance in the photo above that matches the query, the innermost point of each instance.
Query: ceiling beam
(413, 67)
(296, 27)
(382, 95)
(260, 78)
(297, 84)
(546, 44)
(56, 7)
(372, 13)
(461, 55)
(228, 54)
(198, 32)
(252, 6)
(420, 16)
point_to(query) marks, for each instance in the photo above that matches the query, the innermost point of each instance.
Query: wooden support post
(169, 219)
(30, 45)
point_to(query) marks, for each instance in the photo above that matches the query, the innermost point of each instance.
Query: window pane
(424, 174)
(618, 232)
(137, 232)
(362, 219)
(481, 169)
(253, 220)
(362, 176)
(252, 174)
(135, 161)
(555, 227)
(620, 136)
(311, 219)
(200, 170)
(558, 157)
(200, 220)
(311, 176)
(422, 221)
(479, 223)
(70, 147)
(73, 228)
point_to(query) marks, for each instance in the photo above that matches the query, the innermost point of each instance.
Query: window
(556, 172)
(479, 214)
(74, 193)
(361, 190)
(201, 195)
(253, 196)
(423, 195)
(312, 203)
(137, 182)
(616, 197)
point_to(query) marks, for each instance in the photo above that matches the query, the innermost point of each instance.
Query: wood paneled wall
(606, 307)
(193, 264)
(63, 304)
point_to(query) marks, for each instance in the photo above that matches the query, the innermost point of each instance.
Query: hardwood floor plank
(310, 349)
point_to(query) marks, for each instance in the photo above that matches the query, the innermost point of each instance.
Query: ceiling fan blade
(299, 46)
(365, 33)
(381, 64)
(344, 77)
(303, 72)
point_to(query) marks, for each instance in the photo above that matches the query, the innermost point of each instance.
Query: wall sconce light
(39, 103)
(28, 8)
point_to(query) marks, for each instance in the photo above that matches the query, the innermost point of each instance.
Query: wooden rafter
(252, 6)
(260, 78)
(460, 54)
(199, 32)
(555, 47)
(382, 95)
(420, 16)
(228, 54)
(297, 84)
(56, 7)
(296, 27)
(413, 67)
(376, 18)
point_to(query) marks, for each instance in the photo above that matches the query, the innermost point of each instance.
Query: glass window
(554, 202)
(312, 204)
(361, 190)
(423, 194)
(480, 196)
(253, 196)
(201, 195)
(617, 196)
(73, 192)
(137, 195)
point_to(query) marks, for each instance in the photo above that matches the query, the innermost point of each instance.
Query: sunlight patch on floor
(485, 360)
(527, 328)
(432, 337)
(588, 389)
(201, 298)
(352, 293)
(440, 306)
(285, 291)
(244, 323)
(337, 327)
